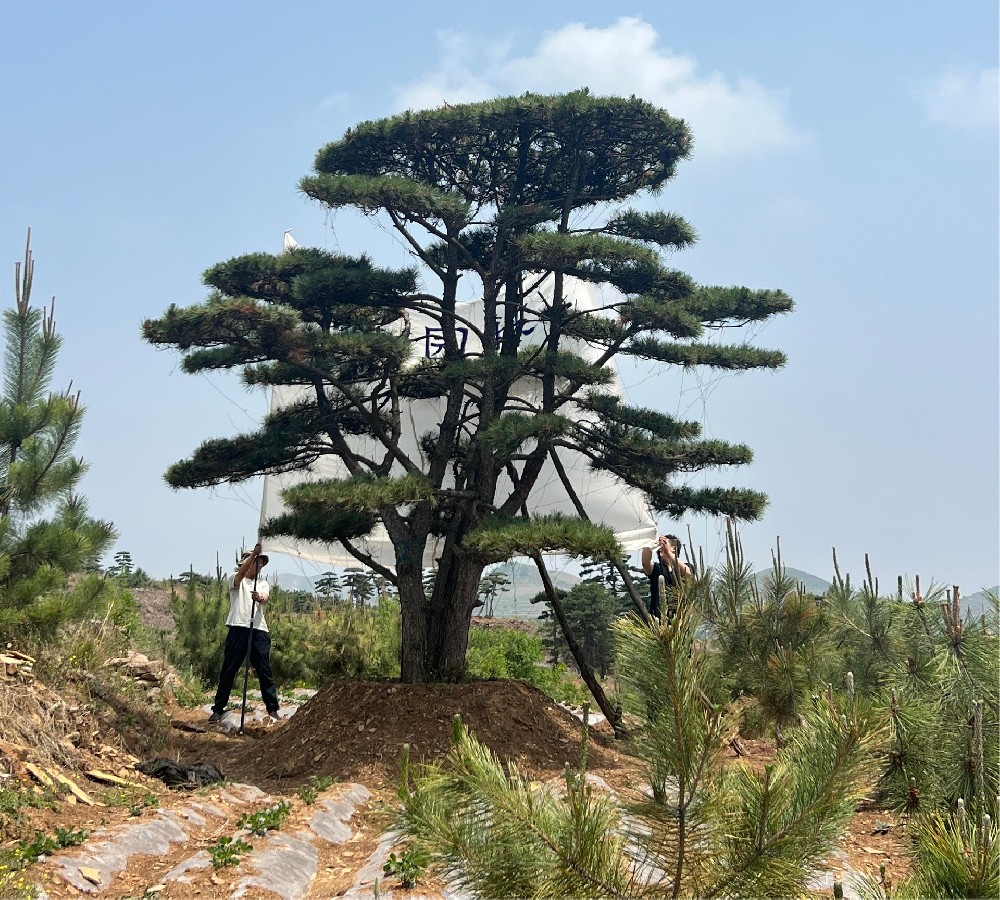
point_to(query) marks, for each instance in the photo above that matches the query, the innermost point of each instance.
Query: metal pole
(246, 667)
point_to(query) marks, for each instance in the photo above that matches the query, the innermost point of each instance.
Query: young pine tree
(698, 831)
(491, 586)
(957, 847)
(46, 533)
(772, 639)
(590, 611)
(200, 618)
(941, 749)
(328, 587)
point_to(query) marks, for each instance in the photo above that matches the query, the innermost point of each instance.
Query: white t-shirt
(240, 603)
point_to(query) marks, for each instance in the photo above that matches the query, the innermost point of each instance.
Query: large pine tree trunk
(435, 630)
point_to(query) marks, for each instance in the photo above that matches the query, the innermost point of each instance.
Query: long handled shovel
(246, 667)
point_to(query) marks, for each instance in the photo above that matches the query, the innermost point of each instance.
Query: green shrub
(497, 653)
(265, 820)
(13, 802)
(502, 653)
(27, 852)
(562, 686)
(200, 613)
(317, 784)
(407, 867)
(341, 641)
(308, 649)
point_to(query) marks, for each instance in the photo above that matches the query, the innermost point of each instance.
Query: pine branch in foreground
(500, 835)
(679, 743)
(775, 827)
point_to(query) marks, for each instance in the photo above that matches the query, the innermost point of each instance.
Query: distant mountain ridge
(289, 581)
(525, 583)
(813, 583)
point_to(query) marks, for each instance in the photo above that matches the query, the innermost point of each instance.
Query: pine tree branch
(477, 808)
(369, 561)
(611, 714)
(582, 513)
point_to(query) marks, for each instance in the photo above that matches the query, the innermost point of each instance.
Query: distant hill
(813, 583)
(289, 581)
(977, 603)
(525, 583)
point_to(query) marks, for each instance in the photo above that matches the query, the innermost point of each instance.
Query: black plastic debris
(178, 775)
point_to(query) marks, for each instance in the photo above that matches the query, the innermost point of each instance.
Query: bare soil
(355, 730)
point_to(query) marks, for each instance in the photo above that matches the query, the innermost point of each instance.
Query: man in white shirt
(247, 591)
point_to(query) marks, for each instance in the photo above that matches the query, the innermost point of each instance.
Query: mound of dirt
(355, 730)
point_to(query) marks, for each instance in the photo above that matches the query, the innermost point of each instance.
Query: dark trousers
(654, 609)
(234, 660)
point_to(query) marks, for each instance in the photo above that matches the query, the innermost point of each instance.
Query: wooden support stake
(108, 778)
(74, 788)
(40, 775)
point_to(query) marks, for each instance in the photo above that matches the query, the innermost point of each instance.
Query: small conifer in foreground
(697, 831)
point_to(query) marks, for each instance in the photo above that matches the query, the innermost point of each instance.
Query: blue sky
(845, 152)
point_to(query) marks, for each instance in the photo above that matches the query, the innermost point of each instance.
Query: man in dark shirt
(666, 565)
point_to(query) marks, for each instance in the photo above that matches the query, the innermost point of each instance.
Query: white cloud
(964, 98)
(729, 117)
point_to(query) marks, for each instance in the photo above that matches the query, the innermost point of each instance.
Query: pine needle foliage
(954, 859)
(344, 640)
(776, 826)
(696, 831)
(743, 833)
(200, 610)
(922, 670)
(942, 695)
(590, 609)
(869, 629)
(501, 539)
(499, 834)
(770, 641)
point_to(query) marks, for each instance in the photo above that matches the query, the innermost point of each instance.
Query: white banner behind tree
(606, 499)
